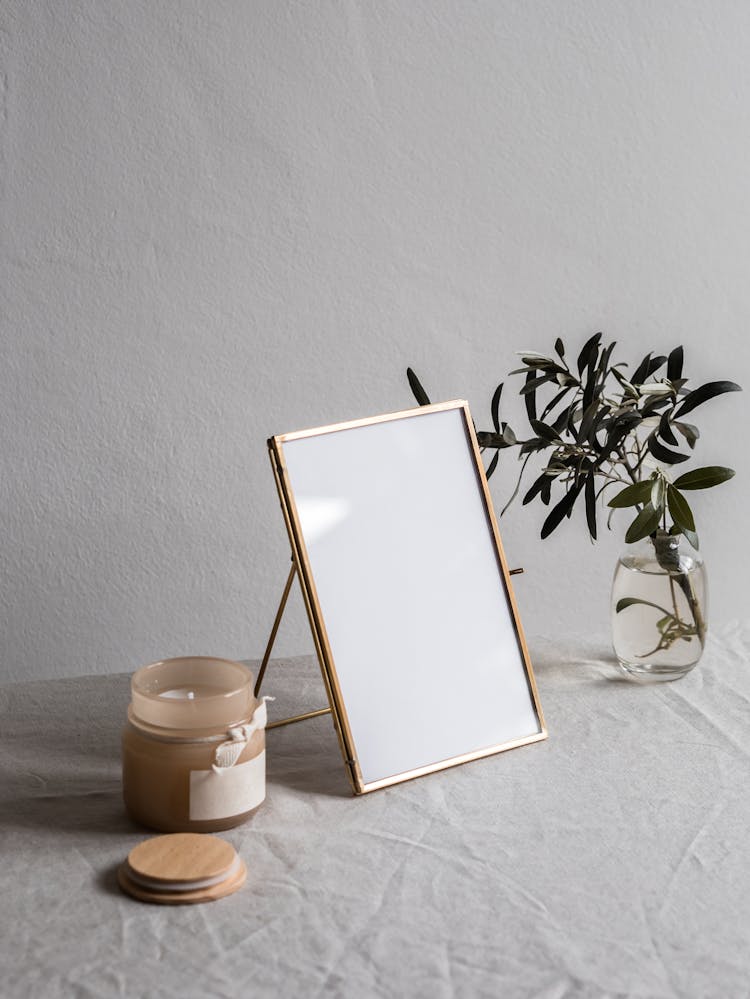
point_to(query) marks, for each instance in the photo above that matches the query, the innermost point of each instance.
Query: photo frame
(407, 591)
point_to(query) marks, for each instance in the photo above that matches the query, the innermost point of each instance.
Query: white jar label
(235, 790)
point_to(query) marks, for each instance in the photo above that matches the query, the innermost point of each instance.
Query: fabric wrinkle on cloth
(609, 860)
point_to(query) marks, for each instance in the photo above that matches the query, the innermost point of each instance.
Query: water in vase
(658, 616)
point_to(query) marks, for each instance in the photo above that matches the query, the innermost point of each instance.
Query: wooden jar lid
(182, 868)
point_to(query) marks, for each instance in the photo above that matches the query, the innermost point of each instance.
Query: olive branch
(599, 427)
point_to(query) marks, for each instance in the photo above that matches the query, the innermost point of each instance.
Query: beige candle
(193, 748)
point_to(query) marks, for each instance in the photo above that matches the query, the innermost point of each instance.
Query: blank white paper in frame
(411, 590)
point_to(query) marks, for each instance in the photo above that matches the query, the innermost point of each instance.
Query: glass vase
(659, 608)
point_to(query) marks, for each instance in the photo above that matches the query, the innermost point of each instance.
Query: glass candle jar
(193, 747)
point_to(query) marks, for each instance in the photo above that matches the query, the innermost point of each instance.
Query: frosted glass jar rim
(227, 697)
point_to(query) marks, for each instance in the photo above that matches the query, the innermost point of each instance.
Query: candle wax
(191, 691)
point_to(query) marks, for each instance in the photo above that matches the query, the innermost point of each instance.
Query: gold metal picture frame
(302, 567)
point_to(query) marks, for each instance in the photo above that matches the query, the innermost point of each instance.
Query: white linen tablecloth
(610, 860)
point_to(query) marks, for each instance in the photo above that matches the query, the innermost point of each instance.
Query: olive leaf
(486, 438)
(544, 431)
(532, 384)
(662, 453)
(631, 495)
(704, 478)
(590, 495)
(674, 363)
(529, 397)
(681, 513)
(495, 407)
(416, 386)
(658, 488)
(588, 351)
(688, 431)
(644, 524)
(700, 395)
(692, 538)
(561, 510)
(665, 430)
(626, 602)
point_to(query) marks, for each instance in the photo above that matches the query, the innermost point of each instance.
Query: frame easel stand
(269, 648)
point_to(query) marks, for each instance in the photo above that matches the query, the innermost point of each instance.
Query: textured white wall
(226, 220)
